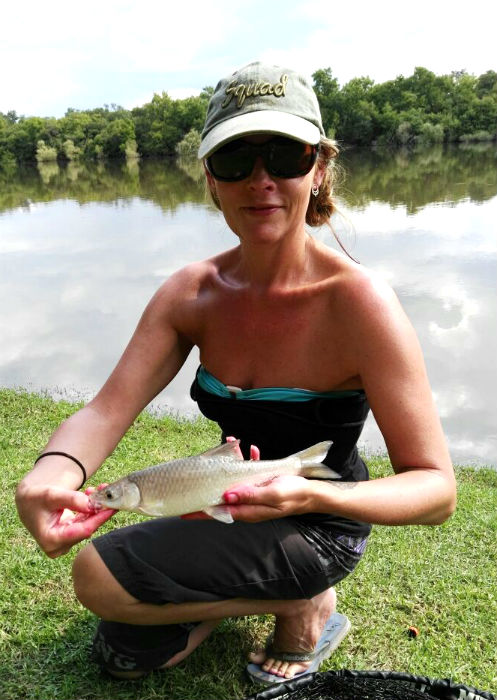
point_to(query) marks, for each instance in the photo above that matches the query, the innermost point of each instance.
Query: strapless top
(282, 426)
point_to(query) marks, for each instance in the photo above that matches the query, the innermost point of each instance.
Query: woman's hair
(323, 205)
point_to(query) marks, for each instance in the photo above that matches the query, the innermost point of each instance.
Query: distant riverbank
(423, 108)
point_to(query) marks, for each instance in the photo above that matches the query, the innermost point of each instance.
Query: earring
(315, 190)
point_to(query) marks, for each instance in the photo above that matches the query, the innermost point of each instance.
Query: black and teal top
(283, 421)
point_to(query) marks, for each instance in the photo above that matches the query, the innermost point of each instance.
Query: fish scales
(196, 483)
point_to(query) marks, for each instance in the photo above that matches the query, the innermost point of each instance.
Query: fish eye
(109, 495)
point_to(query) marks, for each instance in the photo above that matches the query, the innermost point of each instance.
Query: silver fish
(198, 483)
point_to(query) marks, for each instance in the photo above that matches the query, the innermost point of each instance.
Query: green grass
(440, 579)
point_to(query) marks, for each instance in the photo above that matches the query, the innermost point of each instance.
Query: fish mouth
(95, 502)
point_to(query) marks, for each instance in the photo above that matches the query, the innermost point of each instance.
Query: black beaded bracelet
(64, 454)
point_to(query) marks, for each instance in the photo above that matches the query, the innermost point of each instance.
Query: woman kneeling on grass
(297, 342)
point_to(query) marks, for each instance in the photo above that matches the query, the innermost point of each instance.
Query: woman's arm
(46, 499)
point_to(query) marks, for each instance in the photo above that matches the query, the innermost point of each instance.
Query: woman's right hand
(58, 518)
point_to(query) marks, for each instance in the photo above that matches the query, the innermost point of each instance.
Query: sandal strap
(292, 657)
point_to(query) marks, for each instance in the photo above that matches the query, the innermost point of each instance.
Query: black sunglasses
(282, 157)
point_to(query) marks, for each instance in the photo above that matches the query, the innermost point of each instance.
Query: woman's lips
(262, 209)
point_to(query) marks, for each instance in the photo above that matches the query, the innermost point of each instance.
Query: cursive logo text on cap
(243, 90)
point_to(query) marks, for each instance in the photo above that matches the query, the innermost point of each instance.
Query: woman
(278, 310)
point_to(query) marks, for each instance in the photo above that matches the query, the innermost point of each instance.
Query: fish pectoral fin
(150, 510)
(311, 459)
(226, 449)
(315, 454)
(320, 471)
(221, 513)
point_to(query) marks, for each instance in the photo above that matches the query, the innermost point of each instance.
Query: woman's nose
(259, 174)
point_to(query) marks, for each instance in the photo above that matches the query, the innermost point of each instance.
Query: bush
(45, 153)
(477, 136)
(70, 151)
(430, 133)
(404, 133)
(190, 144)
(131, 150)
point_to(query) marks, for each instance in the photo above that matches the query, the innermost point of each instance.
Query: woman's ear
(318, 175)
(211, 184)
(210, 179)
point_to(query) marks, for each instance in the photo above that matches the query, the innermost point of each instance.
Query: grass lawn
(443, 580)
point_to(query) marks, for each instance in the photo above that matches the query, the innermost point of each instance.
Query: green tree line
(422, 108)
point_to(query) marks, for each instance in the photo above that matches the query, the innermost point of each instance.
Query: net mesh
(356, 689)
(369, 685)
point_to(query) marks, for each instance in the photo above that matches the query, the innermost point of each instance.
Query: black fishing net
(369, 685)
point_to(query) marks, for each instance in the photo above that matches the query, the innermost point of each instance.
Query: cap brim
(263, 121)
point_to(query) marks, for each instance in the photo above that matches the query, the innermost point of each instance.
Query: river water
(83, 248)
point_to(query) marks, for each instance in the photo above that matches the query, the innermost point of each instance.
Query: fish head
(121, 495)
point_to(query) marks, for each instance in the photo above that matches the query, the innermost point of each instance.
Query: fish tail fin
(311, 459)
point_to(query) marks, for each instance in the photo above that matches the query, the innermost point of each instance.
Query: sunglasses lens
(282, 157)
(288, 158)
(232, 162)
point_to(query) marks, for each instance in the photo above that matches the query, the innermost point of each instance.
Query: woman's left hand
(279, 498)
(275, 499)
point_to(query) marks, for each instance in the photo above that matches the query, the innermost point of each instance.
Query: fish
(197, 483)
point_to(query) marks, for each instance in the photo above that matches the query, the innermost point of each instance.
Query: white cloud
(117, 50)
(49, 55)
(378, 40)
(182, 93)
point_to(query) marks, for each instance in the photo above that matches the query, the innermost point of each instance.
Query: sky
(57, 55)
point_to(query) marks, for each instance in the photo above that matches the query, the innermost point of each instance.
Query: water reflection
(415, 180)
(83, 249)
(403, 178)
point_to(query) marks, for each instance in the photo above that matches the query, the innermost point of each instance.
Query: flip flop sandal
(335, 630)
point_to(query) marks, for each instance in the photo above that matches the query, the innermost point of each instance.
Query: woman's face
(262, 207)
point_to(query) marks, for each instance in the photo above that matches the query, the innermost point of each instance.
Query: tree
(23, 137)
(487, 84)
(75, 127)
(162, 123)
(189, 145)
(328, 93)
(115, 137)
(358, 113)
(420, 107)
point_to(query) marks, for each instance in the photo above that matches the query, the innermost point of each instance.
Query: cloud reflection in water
(75, 278)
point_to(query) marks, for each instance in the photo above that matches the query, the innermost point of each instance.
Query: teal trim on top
(209, 383)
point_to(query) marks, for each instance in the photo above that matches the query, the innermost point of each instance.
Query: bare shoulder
(181, 302)
(372, 323)
(187, 283)
(357, 290)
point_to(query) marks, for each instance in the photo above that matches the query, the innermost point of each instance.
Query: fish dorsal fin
(226, 449)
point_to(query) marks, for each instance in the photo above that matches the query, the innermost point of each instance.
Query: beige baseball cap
(260, 98)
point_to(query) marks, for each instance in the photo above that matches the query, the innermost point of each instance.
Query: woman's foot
(195, 638)
(297, 630)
